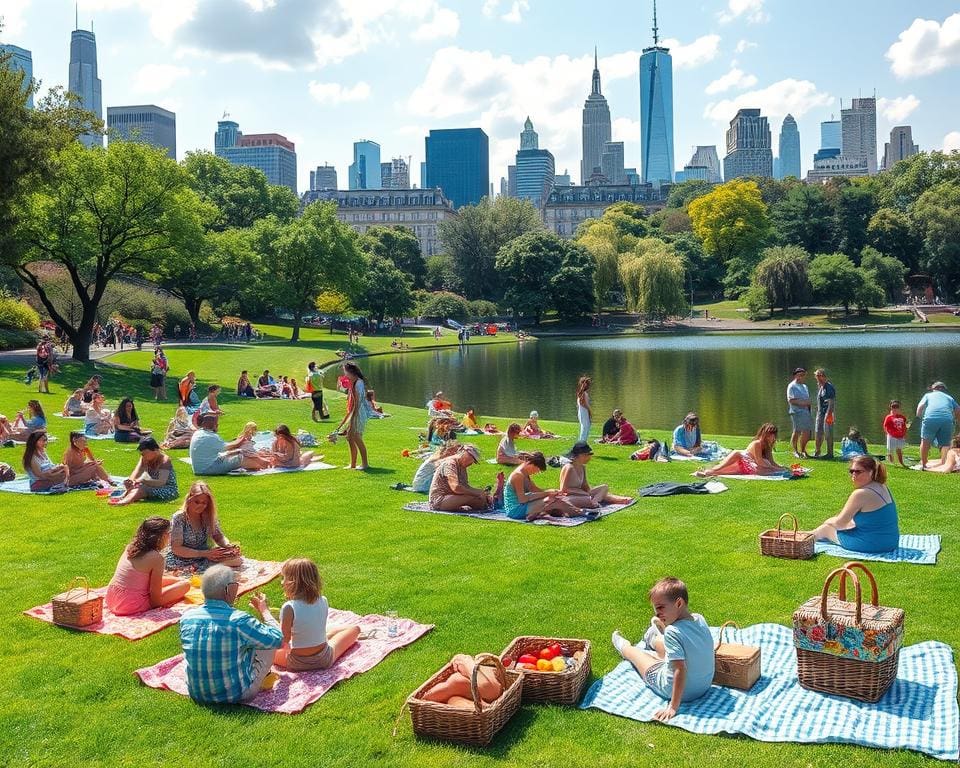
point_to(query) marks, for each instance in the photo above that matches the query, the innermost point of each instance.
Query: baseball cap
(580, 448)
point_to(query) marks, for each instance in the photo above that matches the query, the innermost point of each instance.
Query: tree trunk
(193, 304)
(295, 336)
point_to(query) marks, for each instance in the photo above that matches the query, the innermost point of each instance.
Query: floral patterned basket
(847, 648)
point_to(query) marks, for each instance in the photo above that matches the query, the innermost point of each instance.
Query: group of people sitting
(210, 454)
(268, 387)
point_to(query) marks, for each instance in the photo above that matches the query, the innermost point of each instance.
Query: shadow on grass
(502, 744)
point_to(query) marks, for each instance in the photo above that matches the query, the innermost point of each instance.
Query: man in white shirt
(210, 454)
(798, 402)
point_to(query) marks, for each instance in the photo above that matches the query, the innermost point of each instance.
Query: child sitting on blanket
(853, 445)
(308, 643)
(678, 662)
(253, 457)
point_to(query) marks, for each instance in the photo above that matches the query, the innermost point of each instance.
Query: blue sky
(328, 72)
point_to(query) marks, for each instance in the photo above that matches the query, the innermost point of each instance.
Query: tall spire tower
(596, 125)
(83, 81)
(656, 110)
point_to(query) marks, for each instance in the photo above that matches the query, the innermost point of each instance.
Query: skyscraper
(748, 146)
(399, 173)
(859, 132)
(147, 123)
(364, 171)
(325, 177)
(831, 136)
(458, 161)
(20, 60)
(512, 180)
(83, 81)
(705, 156)
(789, 157)
(656, 110)
(535, 167)
(900, 146)
(271, 153)
(596, 126)
(611, 162)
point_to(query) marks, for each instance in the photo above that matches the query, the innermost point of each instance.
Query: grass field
(71, 698)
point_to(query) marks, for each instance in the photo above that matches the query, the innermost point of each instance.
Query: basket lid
(737, 652)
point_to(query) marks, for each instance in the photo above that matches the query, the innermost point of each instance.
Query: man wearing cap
(798, 402)
(450, 491)
(939, 413)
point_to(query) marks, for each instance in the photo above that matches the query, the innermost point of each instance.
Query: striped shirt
(218, 646)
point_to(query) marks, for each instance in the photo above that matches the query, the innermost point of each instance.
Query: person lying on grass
(308, 643)
(757, 459)
(507, 452)
(533, 429)
(82, 467)
(153, 479)
(523, 500)
(456, 689)
(285, 451)
(139, 582)
(678, 662)
(193, 527)
(449, 489)
(573, 481)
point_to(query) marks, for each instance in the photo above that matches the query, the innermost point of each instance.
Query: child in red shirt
(895, 425)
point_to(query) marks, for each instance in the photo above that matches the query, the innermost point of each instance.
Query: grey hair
(215, 581)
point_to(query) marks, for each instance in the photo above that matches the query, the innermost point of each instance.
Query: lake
(734, 381)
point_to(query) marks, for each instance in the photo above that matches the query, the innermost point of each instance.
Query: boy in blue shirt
(679, 664)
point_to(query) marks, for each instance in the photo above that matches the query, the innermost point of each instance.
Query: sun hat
(580, 448)
(472, 450)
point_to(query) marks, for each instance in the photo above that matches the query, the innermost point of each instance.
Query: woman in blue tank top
(868, 521)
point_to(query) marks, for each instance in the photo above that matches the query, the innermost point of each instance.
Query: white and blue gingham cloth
(919, 711)
(922, 550)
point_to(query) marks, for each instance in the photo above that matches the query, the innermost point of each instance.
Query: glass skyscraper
(271, 153)
(458, 161)
(20, 59)
(364, 171)
(83, 80)
(656, 111)
(147, 123)
(789, 157)
(535, 168)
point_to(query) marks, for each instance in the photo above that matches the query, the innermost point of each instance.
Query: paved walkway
(29, 356)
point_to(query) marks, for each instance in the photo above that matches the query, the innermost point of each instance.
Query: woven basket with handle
(549, 687)
(77, 607)
(794, 545)
(736, 665)
(848, 648)
(476, 726)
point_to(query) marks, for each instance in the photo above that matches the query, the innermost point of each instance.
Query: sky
(326, 73)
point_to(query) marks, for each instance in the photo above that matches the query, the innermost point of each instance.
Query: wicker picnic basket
(475, 726)
(848, 648)
(794, 545)
(547, 687)
(77, 607)
(736, 665)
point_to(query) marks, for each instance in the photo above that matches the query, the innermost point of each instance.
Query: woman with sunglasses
(868, 521)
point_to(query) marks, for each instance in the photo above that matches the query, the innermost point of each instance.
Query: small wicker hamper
(736, 665)
(77, 607)
(794, 545)
(549, 687)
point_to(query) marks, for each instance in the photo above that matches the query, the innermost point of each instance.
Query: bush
(443, 304)
(481, 309)
(17, 315)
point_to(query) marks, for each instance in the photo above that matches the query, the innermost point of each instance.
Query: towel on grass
(919, 712)
(61, 416)
(50, 439)
(804, 471)
(405, 487)
(919, 468)
(107, 436)
(501, 517)
(675, 489)
(313, 466)
(711, 452)
(295, 691)
(922, 550)
(252, 574)
(22, 485)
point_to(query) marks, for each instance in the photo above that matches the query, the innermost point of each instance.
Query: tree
(104, 213)
(332, 303)
(670, 221)
(888, 273)
(682, 194)
(782, 276)
(399, 245)
(891, 232)
(443, 304)
(836, 279)
(601, 241)
(441, 274)
(527, 265)
(307, 256)
(653, 276)
(627, 219)
(386, 289)
(804, 217)
(937, 213)
(571, 289)
(910, 178)
(854, 206)
(705, 271)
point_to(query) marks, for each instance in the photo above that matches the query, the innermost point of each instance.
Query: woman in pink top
(139, 583)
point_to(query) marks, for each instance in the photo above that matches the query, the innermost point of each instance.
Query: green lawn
(71, 698)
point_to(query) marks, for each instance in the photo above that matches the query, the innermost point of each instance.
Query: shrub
(481, 309)
(17, 314)
(444, 304)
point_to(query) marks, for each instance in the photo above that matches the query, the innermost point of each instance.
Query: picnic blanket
(405, 487)
(50, 439)
(922, 550)
(918, 712)
(22, 485)
(676, 489)
(804, 471)
(62, 416)
(295, 691)
(253, 574)
(920, 468)
(711, 452)
(313, 466)
(501, 517)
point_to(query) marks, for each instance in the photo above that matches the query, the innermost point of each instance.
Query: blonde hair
(209, 514)
(305, 576)
(249, 429)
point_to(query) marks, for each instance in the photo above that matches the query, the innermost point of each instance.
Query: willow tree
(653, 277)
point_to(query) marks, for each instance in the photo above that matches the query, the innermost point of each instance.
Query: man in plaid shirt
(228, 653)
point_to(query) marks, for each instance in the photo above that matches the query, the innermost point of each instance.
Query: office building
(146, 123)
(656, 111)
(21, 60)
(596, 130)
(504, 188)
(693, 173)
(748, 146)
(83, 81)
(395, 174)
(611, 162)
(562, 179)
(789, 158)
(831, 166)
(900, 147)
(419, 210)
(458, 162)
(325, 177)
(567, 207)
(271, 153)
(364, 171)
(858, 131)
(511, 181)
(704, 156)
(831, 134)
(535, 167)
(633, 176)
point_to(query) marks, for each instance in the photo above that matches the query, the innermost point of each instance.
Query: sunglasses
(856, 471)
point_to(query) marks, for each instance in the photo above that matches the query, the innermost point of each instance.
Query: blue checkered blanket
(922, 550)
(919, 712)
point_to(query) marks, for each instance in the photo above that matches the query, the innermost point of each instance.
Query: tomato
(506, 661)
(544, 666)
(527, 658)
(555, 649)
(547, 653)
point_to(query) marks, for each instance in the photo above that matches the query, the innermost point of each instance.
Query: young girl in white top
(308, 643)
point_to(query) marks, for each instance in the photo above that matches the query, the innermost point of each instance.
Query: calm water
(735, 382)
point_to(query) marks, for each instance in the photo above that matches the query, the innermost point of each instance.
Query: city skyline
(488, 65)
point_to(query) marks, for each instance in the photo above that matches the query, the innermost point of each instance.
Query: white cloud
(513, 15)
(626, 130)
(445, 23)
(794, 96)
(951, 142)
(744, 45)
(165, 17)
(735, 78)
(897, 110)
(752, 10)
(157, 78)
(700, 51)
(13, 13)
(334, 93)
(926, 47)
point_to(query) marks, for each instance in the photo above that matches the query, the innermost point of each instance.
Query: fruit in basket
(527, 658)
(559, 663)
(526, 666)
(547, 653)
(556, 649)
(543, 665)
(506, 661)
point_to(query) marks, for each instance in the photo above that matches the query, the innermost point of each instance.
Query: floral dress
(193, 538)
(167, 492)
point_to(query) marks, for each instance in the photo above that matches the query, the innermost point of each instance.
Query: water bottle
(393, 625)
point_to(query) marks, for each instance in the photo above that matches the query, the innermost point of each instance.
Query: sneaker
(620, 643)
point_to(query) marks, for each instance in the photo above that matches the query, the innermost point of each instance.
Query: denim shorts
(939, 431)
(802, 421)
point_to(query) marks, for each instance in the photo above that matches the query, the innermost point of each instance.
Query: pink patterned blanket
(295, 691)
